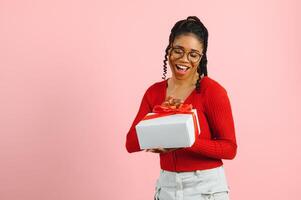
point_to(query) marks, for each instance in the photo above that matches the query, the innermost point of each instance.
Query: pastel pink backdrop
(72, 75)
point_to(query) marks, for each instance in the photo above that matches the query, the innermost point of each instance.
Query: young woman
(196, 172)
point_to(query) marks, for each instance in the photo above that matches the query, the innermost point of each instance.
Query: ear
(202, 55)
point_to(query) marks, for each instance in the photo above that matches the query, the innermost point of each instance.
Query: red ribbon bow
(167, 109)
(161, 110)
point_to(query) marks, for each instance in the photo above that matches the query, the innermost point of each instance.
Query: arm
(220, 120)
(132, 144)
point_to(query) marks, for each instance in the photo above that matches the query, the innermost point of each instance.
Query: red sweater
(217, 138)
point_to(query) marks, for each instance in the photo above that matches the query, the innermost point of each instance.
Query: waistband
(199, 172)
(206, 181)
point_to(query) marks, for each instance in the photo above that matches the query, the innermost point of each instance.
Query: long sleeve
(220, 120)
(132, 144)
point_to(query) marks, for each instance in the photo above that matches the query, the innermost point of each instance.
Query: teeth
(182, 67)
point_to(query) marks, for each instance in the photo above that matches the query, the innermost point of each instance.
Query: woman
(196, 172)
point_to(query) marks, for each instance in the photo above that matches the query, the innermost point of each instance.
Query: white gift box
(173, 131)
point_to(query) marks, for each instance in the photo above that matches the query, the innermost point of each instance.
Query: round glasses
(177, 52)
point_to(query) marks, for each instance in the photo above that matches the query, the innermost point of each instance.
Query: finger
(166, 150)
(173, 107)
(169, 98)
(177, 100)
(177, 105)
(153, 150)
(172, 149)
(165, 103)
(160, 150)
(156, 151)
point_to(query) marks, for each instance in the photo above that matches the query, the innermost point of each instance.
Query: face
(188, 43)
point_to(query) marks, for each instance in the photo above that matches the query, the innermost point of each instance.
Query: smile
(182, 69)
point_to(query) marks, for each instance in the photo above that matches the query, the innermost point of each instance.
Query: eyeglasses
(178, 52)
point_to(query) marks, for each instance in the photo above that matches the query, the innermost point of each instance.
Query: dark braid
(164, 65)
(190, 25)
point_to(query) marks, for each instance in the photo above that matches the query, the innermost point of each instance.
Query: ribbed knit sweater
(217, 139)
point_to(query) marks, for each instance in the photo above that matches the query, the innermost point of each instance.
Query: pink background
(72, 75)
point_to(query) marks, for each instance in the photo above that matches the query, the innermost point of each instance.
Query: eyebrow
(184, 48)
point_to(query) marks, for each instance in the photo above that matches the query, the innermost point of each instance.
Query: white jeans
(194, 185)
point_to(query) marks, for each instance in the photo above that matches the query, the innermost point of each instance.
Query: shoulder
(210, 85)
(215, 95)
(213, 92)
(154, 87)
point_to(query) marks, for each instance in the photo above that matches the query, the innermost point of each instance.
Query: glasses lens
(194, 57)
(177, 53)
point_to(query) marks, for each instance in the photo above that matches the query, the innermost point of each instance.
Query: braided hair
(190, 25)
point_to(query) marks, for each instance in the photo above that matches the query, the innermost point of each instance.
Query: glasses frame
(186, 52)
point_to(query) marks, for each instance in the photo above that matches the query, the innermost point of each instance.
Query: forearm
(132, 144)
(214, 148)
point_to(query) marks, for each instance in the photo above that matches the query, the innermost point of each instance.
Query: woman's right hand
(161, 150)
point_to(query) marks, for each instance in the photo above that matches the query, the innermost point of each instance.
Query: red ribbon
(161, 111)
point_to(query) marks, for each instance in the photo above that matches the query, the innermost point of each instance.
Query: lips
(182, 69)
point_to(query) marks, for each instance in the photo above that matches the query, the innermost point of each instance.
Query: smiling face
(181, 67)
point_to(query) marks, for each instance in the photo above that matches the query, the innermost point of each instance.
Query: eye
(178, 51)
(194, 55)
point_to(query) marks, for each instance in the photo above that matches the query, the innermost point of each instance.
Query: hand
(172, 102)
(161, 150)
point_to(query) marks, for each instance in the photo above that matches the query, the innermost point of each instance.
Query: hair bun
(193, 18)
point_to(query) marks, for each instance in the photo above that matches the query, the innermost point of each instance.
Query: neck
(184, 82)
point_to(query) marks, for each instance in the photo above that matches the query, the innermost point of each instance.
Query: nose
(184, 58)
